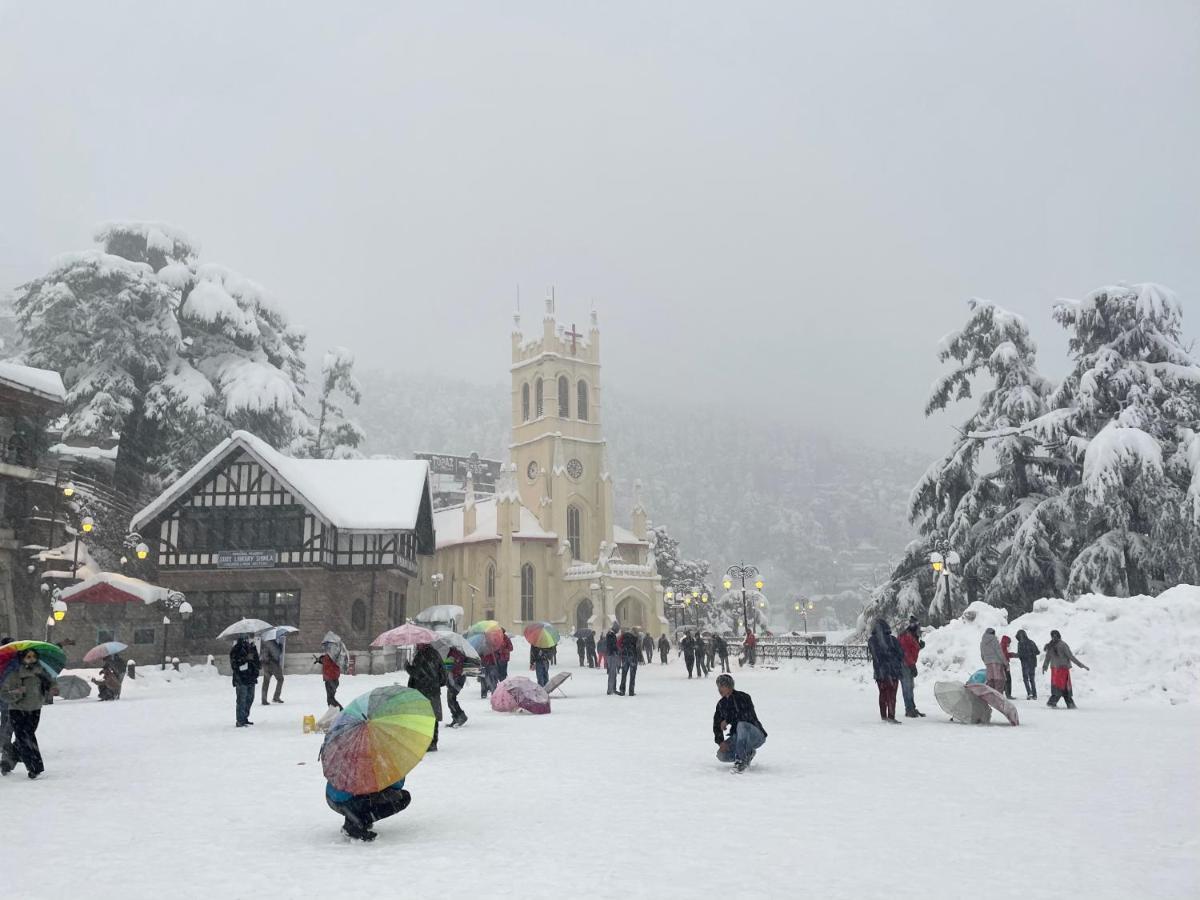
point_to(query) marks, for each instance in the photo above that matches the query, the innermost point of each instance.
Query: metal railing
(776, 650)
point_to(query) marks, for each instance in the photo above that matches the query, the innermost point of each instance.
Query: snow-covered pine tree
(167, 353)
(1126, 416)
(333, 435)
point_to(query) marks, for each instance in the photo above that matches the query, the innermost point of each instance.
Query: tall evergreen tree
(332, 434)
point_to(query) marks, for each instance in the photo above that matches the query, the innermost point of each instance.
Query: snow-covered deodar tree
(332, 435)
(1126, 417)
(164, 351)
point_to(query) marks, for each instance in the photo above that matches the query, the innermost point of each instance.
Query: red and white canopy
(112, 587)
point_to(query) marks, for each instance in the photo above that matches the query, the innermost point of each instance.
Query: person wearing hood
(24, 690)
(887, 659)
(993, 659)
(1058, 660)
(1027, 652)
(911, 646)
(1005, 641)
(427, 674)
(244, 664)
(331, 672)
(664, 650)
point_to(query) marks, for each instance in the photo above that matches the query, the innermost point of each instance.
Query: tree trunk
(139, 439)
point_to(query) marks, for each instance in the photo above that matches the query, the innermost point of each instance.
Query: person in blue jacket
(361, 811)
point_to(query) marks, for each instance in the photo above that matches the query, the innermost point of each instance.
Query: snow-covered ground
(159, 795)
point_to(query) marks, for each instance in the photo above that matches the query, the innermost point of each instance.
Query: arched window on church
(575, 532)
(564, 397)
(525, 403)
(540, 396)
(581, 407)
(527, 612)
(489, 585)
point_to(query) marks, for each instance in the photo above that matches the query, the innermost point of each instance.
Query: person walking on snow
(455, 680)
(1028, 652)
(590, 644)
(272, 665)
(647, 649)
(331, 672)
(24, 691)
(887, 659)
(993, 659)
(581, 646)
(721, 650)
(910, 646)
(687, 646)
(427, 674)
(612, 658)
(245, 666)
(1058, 660)
(1008, 658)
(539, 661)
(751, 645)
(504, 654)
(664, 650)
(631, 652)
(735, 711)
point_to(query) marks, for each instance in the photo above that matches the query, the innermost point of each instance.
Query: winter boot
(910, 714)
(920, 715)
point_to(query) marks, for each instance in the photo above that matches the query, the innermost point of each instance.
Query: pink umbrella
(502, 700)
(525, 694)
(996, 701)
(405, 636)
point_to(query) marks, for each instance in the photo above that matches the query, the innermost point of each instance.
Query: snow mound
(1139, 648)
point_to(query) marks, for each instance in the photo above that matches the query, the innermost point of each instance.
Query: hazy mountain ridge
(798, 505)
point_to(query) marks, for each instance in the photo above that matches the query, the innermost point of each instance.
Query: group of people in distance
(895, 665)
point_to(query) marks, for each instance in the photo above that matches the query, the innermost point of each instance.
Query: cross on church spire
(574, 336)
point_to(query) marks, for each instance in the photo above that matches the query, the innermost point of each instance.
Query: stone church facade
(546, 546)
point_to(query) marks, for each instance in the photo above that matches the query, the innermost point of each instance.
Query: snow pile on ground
(1138, 647)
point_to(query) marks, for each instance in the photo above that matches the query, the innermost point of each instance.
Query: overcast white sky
(781, 205)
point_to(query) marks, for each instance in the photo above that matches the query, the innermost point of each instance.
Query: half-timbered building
(315, 543)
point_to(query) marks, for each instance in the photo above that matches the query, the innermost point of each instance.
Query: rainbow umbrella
(377, 740)
(491, 632)
(51, 656)
(541, 634)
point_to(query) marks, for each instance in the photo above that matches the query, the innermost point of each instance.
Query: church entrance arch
(583, 614)
(631, 611)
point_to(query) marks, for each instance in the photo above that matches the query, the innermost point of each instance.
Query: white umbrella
(444, 612)
(274, 634)
(447, 639)
(245, 628)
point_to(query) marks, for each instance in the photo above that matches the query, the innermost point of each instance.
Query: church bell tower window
(564, 397)
(540, 396)
(527, 612)
(575, 532)
(581, 407)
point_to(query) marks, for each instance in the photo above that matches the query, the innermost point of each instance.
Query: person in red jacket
(910, 645)
(503, 655)
(751, 646)
(1004, 642)
(331, 672)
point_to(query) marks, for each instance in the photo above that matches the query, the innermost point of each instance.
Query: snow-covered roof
(46, 384)
(627, 538)
(112, 587)
(448, 524)
(365, 495)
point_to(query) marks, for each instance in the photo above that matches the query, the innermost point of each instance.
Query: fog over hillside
(817, 515)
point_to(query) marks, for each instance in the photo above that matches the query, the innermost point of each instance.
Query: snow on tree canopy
(1115, 451)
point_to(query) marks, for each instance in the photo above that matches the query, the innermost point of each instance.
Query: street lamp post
(942, 559)
(87, 525)
(686, 596)
(803, 608)
(742, 573)
(175, 601)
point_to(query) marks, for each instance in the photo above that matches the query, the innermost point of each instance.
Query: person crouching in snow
(735, 711)
(993, 659)
(1058, 660)
(361, 811)
(911, 646)
(887, 660)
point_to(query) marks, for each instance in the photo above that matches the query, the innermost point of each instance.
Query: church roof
(625, 538)
(448, 524)
(362, 495)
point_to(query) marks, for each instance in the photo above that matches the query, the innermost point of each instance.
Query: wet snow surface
(159, 795)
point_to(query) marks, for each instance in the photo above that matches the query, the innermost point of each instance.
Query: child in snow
(1058, 660)
(363, 810)
(735, 711)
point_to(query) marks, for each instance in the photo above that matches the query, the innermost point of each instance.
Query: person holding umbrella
(6, 758)
(272, 665)
(24, 690)
(455, 680)
(331, 666)
(245, 666)
(427, 674)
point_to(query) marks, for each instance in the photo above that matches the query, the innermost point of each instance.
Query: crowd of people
(895, 665)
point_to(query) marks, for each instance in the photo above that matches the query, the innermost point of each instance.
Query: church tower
(558, 443)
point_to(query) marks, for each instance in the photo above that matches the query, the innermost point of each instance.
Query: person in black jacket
(1027, 652)
(735, 712)
(631, 653)
(664, 650)
(687, 645)
(887, 658)
(243, 661)
(590, 644)
(581, 646)
(721, 649)
(427, 674)
(612, 659)
(539, 661)
(647, 649)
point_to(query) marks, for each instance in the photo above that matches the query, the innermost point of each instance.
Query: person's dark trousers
(689, 661)
(887, 698)
(629, 667)
(25, 745)
(663, 654)
(272, 670)
(369, 808)
(613, 664)
(503, 667)
(752, 654)
(245, 699)
(456, 711)
(487, 681)
(591, 658)
(724, 662)
(331, 693)
(542, 669)
(1029, 676)
(1008, 682)
(906, 688)
(581, 655)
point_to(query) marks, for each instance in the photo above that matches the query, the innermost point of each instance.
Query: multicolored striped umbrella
(51, 656)
(492, 633)
(541, 634)
(105, 650)
(377, 740)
